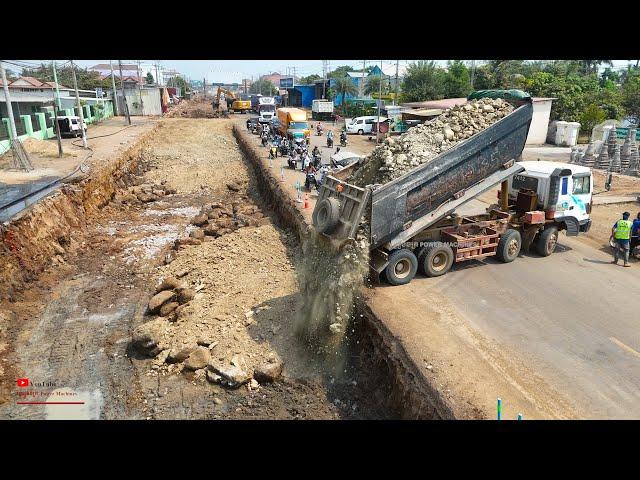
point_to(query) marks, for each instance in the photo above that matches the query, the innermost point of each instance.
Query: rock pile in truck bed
(421, 144)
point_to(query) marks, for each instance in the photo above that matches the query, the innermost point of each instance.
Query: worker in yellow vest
(622, 234)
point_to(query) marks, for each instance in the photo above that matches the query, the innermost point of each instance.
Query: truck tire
(547, 241)
(509, 246)
(402, 267)
(360, 132)
(435, 260)
(326, 215)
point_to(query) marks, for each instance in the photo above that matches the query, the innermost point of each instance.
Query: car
(362, 125)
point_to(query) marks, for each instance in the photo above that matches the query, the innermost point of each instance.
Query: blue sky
(229, 71)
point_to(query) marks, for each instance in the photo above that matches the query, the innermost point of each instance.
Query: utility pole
(395, 95)
(113, 86)
(473, 71)
(124, 99)
(55, 80)
(7, 99)
(324, 77)
(204, 87)
(157, 77)
(57, 129)
(294, 77)
(140, 89)
(364, 66)
(80, 113)
(379, 102)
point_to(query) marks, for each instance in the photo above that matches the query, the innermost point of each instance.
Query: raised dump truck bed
(408, 208)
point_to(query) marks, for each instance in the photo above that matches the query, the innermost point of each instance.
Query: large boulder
(198, 359)
(268, 372)
(160, 299)
(169, 283)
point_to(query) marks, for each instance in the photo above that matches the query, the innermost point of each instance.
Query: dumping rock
(179, 355)
(231, 375)
(168, 308)
(186, 295)
(200, 220)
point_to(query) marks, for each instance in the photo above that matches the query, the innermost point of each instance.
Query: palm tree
(591, 66)
(344, 86)
(373, 85)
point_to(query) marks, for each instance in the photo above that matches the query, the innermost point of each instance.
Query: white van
(362, 125)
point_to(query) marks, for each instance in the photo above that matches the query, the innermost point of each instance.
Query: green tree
(343, 86)
(181, 83)
(340, 71)
(591, 116)
(309, 80)
(457, 82)
(264, 87)
(631, 95)
(423, 81)
(87, 80)
(591, 66)
(372, 85)
(149, 78)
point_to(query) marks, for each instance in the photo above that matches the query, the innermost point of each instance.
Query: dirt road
(70, 333)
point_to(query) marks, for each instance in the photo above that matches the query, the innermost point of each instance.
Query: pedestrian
(621, 232)
(635, 234)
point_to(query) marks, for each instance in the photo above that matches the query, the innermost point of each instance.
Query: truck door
(580, 197)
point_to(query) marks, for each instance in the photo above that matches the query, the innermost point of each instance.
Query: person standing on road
(622, 233)
(635, 234)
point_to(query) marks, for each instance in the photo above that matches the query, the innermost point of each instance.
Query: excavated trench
(67, 315)
(408, 394)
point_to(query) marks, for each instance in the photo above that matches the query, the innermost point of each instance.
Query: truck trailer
(411, 222)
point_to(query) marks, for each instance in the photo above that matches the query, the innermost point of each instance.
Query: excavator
(231, 103)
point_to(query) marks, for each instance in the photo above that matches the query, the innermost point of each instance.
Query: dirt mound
(196, 108)
(421, 144)
(42, 148)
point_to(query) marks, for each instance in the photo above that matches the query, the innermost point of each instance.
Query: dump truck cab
(562, 190)
(293, 123)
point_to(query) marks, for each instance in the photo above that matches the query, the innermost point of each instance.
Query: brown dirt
(74, 324)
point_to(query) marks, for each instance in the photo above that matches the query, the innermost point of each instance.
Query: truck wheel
(435, 260)
(326, 215)
(547, 241)
(402, 267)
(509, 246)
(360, 132)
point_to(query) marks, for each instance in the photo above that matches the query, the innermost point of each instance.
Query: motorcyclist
(310, 178)
(330, 138)
(319, 128)
(343, 137)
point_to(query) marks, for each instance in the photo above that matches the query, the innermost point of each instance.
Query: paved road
(572, 317)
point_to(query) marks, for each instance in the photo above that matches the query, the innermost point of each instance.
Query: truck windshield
(299, 125)
(267, 108)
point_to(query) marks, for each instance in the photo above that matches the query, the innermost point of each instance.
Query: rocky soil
(421, 144)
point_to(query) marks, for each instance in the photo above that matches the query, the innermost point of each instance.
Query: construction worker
(635, 234)
(622, 234)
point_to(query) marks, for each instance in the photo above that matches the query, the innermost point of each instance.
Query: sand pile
(421, 144)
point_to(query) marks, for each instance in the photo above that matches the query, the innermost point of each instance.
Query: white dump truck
(412, 224)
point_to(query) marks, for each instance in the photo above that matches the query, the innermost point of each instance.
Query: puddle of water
(88, 407)
(179, 211)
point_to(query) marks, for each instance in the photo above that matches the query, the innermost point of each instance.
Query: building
(301, 96)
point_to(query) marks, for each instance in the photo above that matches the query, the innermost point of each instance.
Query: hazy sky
(229, 71)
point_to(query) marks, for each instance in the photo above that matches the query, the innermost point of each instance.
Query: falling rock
(268, 372)
(198, 359)
(160, 299)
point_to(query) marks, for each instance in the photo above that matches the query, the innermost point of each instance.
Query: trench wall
(413, 395)
(33, 240)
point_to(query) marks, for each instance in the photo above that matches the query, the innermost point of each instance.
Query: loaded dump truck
(410, 222)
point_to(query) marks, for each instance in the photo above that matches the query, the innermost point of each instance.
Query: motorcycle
(293, 163)
(343, 140)
(329, 142)
(634, 250)
(310, 180)
(319, 131)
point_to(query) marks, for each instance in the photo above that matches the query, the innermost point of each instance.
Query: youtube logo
(23, 382)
